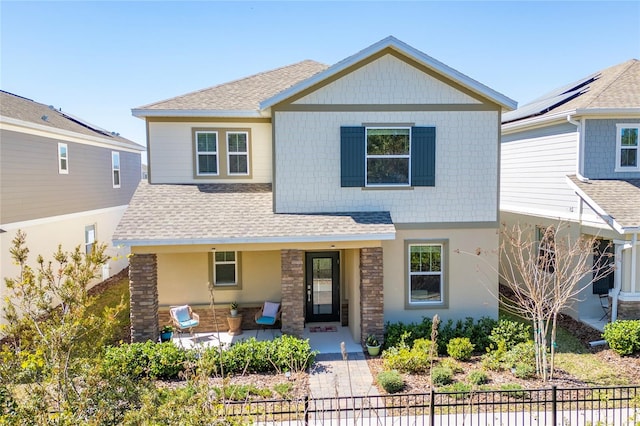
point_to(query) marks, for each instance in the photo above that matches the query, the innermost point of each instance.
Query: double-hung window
(238, 153)
(225, 268)
(89, 238)
(115, 169)
(388, 155)
(627, 147)
(425, 274)
(545, 236)
(63, 159)
(207, 153)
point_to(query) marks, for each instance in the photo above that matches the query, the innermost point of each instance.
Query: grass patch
(590, 369)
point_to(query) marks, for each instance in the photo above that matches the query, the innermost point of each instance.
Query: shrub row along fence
(619, 406)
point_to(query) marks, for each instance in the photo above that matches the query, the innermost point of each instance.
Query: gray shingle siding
(32, 188)
(600, 150)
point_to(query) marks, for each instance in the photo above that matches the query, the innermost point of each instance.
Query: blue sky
(97, 60)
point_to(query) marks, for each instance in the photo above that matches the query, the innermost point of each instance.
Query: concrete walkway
(332, 376)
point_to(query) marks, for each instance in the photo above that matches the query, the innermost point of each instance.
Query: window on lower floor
(225, 269)
(89, 238)
(627, 147)
(115, 169)
(545, 236)
(425, 273)
(207, 153)
(63, 159)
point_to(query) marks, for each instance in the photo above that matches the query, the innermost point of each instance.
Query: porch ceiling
(235, 213)
(617, 201)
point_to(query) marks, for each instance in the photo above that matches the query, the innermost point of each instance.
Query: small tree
(51, 335)
(545, 273)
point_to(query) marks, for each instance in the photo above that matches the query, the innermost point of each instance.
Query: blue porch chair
(268, 315)
(184, 318)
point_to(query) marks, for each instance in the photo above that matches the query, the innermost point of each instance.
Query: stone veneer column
(292, 291)
(143, 285)
(627, 310)
(371, 293)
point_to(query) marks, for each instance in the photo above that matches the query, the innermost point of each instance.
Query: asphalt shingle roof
(620, 199)
(20, 108)
(614, 87)
(244, 94)
(238, 213)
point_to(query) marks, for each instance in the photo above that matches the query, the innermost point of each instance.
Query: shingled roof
(19, 108)
(243, 213)
(614, 87)
(617, 201)
(244, 94)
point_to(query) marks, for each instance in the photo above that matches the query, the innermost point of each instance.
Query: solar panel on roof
(86, 124)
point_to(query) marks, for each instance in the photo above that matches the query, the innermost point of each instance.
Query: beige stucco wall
(183, 278)
(44, 236)
(171, 152)
(472, 283)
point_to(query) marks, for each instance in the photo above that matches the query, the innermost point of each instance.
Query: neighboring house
(62, 181)
(341, 192)
(573, 156)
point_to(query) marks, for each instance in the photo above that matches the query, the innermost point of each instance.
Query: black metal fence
(596, 406)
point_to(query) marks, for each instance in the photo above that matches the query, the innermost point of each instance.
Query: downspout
(579, 150)
(634, 261)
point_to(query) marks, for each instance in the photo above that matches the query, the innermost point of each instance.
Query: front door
(604, 284)
(323, 286)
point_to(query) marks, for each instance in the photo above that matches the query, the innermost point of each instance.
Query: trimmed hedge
(623, 336)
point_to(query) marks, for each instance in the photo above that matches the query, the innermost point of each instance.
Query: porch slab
(321, 339)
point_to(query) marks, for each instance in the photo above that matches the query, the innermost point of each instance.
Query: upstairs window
(115, 169)
(207, 153)
(627, 147)
(388, 154)
(63, 159)
(238, 153)
(387, 157)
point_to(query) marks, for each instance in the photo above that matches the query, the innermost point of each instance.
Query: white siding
(171, 152)
(533, 175)
(372, 84)
(308, 167)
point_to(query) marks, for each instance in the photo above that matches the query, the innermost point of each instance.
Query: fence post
(432, 407)
(306, 410)
(554, 406)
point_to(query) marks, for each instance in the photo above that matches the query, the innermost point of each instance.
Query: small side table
(235, 325)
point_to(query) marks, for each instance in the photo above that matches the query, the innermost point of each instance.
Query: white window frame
(63, 170)
(226, 262)
(367, 156)
(116, 169)
(89, 238)
(216, 153)
(245, 153)
(619, 147)
(440, 273)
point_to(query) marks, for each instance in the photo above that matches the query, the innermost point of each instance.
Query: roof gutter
(579, 148)
(142, 113)
(559, 116)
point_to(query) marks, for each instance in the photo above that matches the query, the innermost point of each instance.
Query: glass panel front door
(323, 286)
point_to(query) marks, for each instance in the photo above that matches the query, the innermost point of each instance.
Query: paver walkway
(332, 376)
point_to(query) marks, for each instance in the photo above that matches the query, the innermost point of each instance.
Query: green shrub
(409, 360)
(457, 390)
(452, 364)
(391, 381)
(153, 360)
(623, 336)
(441, 376)
(460, 348)
(522, 353)
(236, 392)
(283, 389)
(510, 332)
(478, 332)
(478, 377)
(514, 390)
(524, 371)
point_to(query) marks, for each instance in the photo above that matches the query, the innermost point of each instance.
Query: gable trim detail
(383, 107)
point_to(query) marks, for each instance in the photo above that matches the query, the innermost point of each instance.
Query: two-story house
(341, 191)
(573, 156)
(62, 181)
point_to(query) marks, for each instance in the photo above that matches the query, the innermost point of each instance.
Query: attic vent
(52, 107)
(45, 118)
(115, 134)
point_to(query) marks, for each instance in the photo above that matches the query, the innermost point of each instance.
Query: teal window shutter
(423, 156)
(352, 156)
